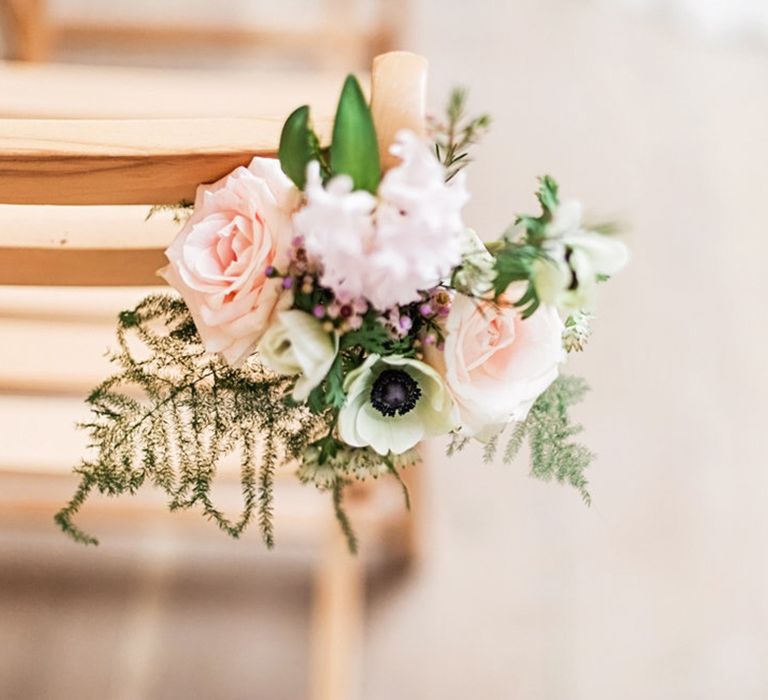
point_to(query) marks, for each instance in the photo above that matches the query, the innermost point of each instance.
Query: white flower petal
(385, 249)
(388, 434)
(361, 424)
(297, 344)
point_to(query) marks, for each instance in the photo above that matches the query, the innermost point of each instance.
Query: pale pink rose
(495, 363)
(240, 226)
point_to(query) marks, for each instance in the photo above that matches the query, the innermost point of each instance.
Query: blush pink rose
(495, 363)
(240, 226)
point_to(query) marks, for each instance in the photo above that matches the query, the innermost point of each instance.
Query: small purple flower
(287, 282)
(425, 310)
(406, 323)
(429, 339)
(269, 271)
(319, 311)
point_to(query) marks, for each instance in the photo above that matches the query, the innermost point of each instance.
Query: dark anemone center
(574, 283)
(394, 393)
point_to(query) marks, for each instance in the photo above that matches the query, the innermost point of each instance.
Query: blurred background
(653, 112)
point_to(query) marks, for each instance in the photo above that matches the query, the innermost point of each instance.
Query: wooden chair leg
(337, 622)
(28, 30)
(412, 528)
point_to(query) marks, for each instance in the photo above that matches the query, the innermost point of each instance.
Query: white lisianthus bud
(297, 344)
(577, 331)
(576, 260)
(477, 271)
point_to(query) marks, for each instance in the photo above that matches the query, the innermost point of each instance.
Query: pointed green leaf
(547, 195)
(298, 146)
(354, 149)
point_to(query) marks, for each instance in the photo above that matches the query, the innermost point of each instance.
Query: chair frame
(114, 162)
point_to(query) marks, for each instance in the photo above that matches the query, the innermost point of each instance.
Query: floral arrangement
(333, 316)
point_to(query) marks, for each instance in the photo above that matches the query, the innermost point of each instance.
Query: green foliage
(454, 138)
(577, 331)
(180, 212)
(172, 411)
(299, 146)
(334, 393)
(307, 301)
(373, 338)
(354, 148)
(514, 262)
(295, 149)
(534, 227)
(392, 469)
(548, 196)
(548, 430)
(522, 245)
(329, 394)
(341, 515)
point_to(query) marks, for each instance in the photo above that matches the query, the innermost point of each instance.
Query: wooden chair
(340, 38)
(103, 165)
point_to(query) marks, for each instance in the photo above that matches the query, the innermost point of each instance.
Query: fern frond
(548, 428)
(172, 412)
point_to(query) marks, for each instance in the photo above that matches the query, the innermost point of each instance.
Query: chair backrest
(145, 162)
(341, 36)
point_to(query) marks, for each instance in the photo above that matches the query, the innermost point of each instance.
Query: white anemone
(576, 259)
(393, 403)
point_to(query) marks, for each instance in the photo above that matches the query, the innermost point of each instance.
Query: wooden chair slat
(64, 91)
(110, 246)
(127, 162)
(80, 268)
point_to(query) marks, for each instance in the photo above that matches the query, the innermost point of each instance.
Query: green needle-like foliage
(172, 411)
(549, 430)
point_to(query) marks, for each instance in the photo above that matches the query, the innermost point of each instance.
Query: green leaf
(354, 149)
(529, 302)
(298, 146)
(547, 195)
(316, 400)
(335, 395)
(513, 264)
(374, 338)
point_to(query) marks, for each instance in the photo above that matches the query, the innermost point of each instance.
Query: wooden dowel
(28, 29)
(398, 98)
(337, 624)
